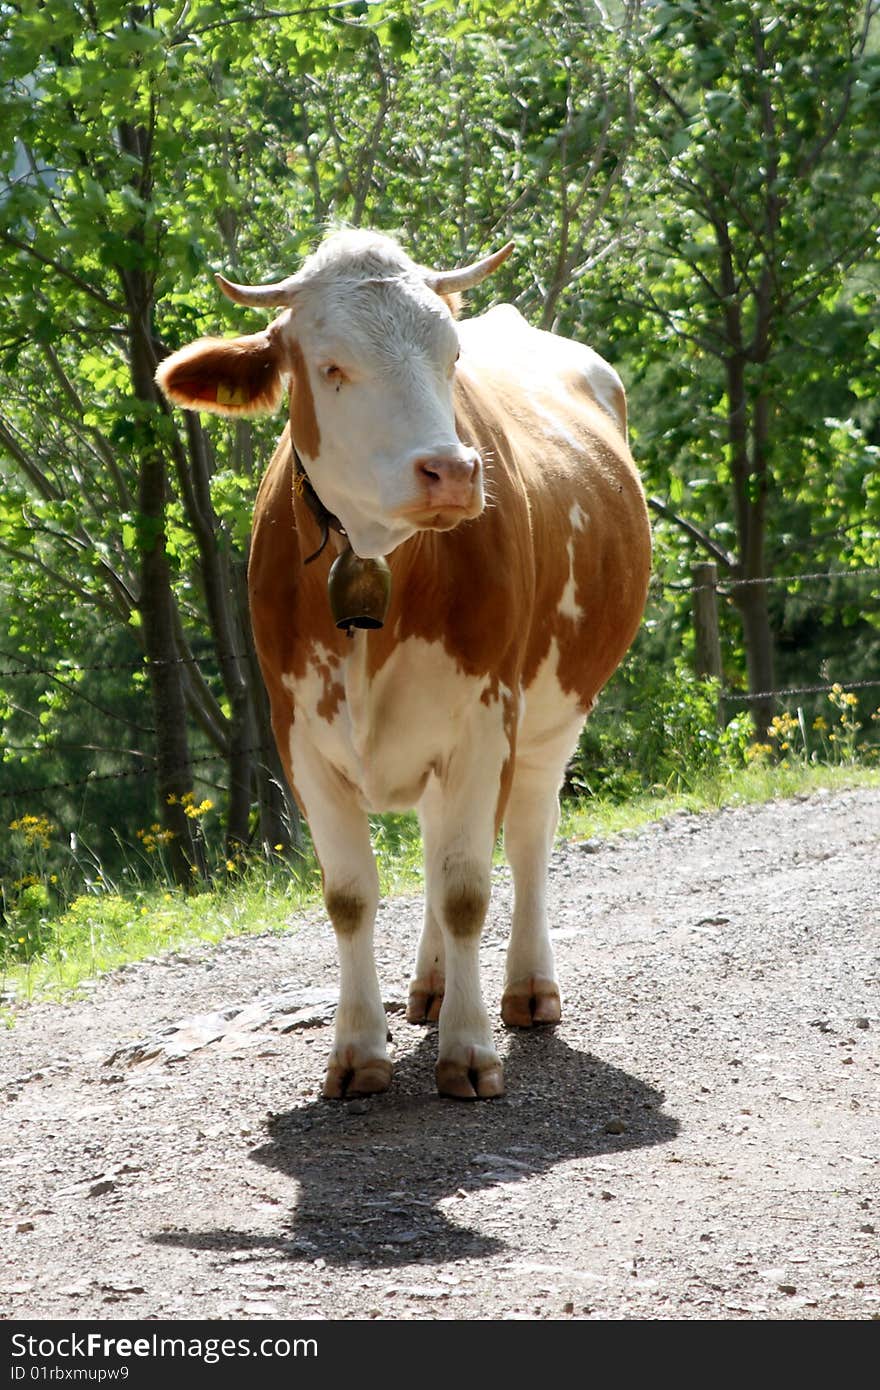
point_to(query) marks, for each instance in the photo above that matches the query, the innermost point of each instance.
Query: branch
(31, 470)
(98, 440)
(250, 17)
(62, 270)
(62, 581)
(107, 713)
(718, 552)
(198, 693)
(811, 159)
(717, 348)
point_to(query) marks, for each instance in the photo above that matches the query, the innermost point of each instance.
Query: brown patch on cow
(452, 301)
(504, 784)
(290, 612)
(611, 557)
(226, 376)
(346, 911)
(333, 689)
(465, 904)
(508, 767)
(303, 419)
(470, 589)
(489, 591)
(334, 694)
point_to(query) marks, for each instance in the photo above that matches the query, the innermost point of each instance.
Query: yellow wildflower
(35, 829)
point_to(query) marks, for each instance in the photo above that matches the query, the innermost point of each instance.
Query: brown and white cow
(488, 462)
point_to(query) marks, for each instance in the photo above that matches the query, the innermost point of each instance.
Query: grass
(710, 792)
(104, 929)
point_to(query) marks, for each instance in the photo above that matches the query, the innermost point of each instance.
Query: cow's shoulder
(541, 366)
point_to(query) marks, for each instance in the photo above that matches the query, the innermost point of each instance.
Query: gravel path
(697, 1139)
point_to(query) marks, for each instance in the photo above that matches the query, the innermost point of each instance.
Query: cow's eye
(333, 374)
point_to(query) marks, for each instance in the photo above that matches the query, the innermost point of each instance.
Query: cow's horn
(277, 296)
(448, 281)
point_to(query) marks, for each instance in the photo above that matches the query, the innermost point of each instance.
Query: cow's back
(556, 413)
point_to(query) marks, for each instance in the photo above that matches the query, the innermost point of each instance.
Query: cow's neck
(304, 487)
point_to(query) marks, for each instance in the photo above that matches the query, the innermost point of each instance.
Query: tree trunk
(751, 600)
(279, 817)
(194, 467)
(157, 602)
(173, 768)
(749, 474)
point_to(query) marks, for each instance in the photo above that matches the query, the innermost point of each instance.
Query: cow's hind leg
(358, 1063)
(458, 829)
(427, 986)
(531, 991)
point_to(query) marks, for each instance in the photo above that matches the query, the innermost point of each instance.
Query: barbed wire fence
(704, 587)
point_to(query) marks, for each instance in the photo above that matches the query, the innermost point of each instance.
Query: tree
(133, 164)
(757, 138)
(107, 116)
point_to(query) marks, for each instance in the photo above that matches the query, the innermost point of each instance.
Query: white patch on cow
(577, 517)
(605, 385)
(548, 736)
(544, 360)
(411, 721)
(568, 604)
(550, 711)
(555, 428)
(417, 733)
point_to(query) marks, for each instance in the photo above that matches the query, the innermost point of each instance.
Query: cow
(479, 467)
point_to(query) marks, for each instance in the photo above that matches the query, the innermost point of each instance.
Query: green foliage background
(693, 189)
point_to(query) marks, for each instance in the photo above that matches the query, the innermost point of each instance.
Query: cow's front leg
(458, 829)
(358, 1063)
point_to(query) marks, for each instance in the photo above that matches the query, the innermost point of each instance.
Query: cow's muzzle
(360, 591)
(448, 481)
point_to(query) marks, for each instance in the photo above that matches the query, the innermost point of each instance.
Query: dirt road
(698, 1139)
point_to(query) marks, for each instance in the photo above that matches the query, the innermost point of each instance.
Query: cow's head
(369, 343)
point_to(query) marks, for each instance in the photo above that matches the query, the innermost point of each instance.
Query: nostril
(439, 470)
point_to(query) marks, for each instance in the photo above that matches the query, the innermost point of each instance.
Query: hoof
(366, 1080)
(424, 1005)
(531, 1002)
(469, 1083)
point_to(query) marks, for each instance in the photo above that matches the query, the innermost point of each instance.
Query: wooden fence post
(705, 607)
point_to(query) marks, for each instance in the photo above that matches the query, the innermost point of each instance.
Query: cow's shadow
(371, 1173)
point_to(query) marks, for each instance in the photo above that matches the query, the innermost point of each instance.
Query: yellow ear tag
(231, 395)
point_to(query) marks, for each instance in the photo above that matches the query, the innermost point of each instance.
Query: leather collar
(302, 487)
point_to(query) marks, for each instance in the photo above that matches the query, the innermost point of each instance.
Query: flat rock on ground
(697, 1139)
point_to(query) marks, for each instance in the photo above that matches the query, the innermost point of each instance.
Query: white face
(380, 359)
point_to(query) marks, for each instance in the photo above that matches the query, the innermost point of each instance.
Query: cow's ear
(228, 376)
